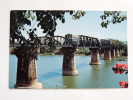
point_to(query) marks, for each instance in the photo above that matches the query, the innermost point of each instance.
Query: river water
(49, 70)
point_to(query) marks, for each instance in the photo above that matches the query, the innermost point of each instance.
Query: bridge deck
(62, 45)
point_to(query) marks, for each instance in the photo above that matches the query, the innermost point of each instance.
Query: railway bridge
(26, 71)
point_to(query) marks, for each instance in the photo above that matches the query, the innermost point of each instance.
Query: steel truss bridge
(60, 41)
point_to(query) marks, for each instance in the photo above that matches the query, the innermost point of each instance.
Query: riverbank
(57, 51)
(79, 52)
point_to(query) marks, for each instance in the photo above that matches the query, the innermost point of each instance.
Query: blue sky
(88, 25)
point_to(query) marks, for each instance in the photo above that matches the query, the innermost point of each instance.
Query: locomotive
(81, 40)
(72, 39)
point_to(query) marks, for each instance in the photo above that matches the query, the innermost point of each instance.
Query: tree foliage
(47, 20)
(121, 44)
(113, 17)
(17, 21)
(116, 41)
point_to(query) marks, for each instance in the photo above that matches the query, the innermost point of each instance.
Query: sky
(89, 25)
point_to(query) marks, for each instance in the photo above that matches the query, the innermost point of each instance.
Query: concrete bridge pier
(117, 53)
(95, 56)
(101, 52)
(113, 56)
(107, 54)
(26, 68)
(69, 65)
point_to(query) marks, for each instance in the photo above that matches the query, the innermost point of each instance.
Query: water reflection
(107, 62)
(95, 76)
(95, 67)
(69, 81)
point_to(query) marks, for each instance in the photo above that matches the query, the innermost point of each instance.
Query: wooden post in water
(26, 68)
(69, 65)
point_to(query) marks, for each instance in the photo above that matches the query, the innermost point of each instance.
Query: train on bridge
(82, 40)
(71, 40)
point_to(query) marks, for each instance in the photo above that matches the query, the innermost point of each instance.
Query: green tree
(46, 20)
(121, 44)
(113, 17)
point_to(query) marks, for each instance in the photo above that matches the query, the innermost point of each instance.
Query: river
(49, 70)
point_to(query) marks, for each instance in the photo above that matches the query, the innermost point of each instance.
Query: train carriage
(72, 39)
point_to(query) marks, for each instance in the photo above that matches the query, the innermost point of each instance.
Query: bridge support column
(107, 54)
(69, 65)
(113, 56)
(26, 68)
(95, 56)
(101, 52)
(117, 53)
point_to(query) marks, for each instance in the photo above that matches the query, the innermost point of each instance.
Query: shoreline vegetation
(79, 52)
(57, 51)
